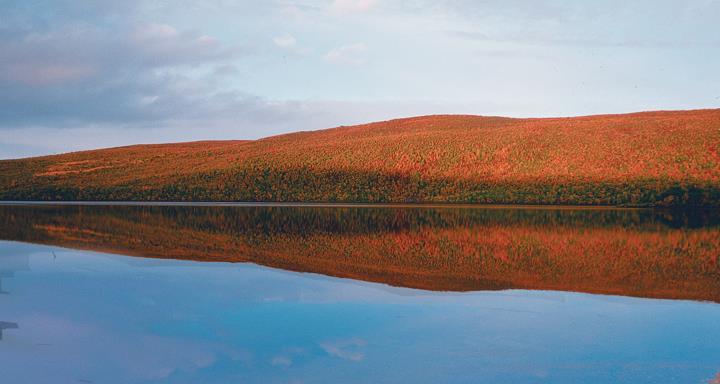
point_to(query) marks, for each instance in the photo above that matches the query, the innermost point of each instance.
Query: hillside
(650, 158)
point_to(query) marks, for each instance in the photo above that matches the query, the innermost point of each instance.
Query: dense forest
(641, 159)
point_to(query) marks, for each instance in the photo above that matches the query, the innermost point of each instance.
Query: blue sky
(85, 74)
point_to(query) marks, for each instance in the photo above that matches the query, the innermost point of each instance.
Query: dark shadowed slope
(664, 158)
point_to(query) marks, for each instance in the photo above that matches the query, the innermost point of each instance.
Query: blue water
(72, 316)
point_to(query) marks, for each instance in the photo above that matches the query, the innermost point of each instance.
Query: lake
(213, 293)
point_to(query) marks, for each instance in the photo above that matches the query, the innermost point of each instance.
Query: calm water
(145, 294)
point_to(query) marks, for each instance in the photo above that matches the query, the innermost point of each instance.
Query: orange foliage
(642, 158)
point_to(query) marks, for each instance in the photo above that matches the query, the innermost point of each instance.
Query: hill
(649, 158)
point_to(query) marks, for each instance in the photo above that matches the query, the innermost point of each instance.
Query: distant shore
(316, 204)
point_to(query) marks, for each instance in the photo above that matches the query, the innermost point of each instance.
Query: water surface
(144, 294)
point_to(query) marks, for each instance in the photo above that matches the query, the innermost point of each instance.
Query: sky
(83, 74)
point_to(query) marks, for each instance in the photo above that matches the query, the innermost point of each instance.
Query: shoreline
(327, 205)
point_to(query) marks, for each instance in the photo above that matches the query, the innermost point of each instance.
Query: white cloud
(155, 31)
(348, 54)
(296, 11)
(80, 74)
(286, 40)
(352, 6)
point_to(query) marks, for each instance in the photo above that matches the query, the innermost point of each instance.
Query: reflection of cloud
(239, 355)
(345, 349)
(159, 358)
(203, 360)
(51, 329)
(282, 361)
(286, 357)
(158, 373)
(165, 356)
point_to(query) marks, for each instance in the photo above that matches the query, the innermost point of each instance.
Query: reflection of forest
(630, 252)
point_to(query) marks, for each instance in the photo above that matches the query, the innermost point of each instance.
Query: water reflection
(6, 325)
(642, 253)
(9, 264)
(97, 317)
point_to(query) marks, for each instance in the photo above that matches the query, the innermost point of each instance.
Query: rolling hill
(648, 158)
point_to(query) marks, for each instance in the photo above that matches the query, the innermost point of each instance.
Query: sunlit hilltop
(652, 158)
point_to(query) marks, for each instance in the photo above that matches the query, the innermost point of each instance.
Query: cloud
(351, 6)
(224, 70)
(155, 31)
(41, 74)
(348, 54)
(85, 71)
(290, 45)
(574, 41)
(297, 11)
(286, 40)
(612, 24)
(64, 70)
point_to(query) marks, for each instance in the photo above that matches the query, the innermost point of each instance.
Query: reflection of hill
(627, 252)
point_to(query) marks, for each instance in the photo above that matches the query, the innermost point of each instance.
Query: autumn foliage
(652, 158)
